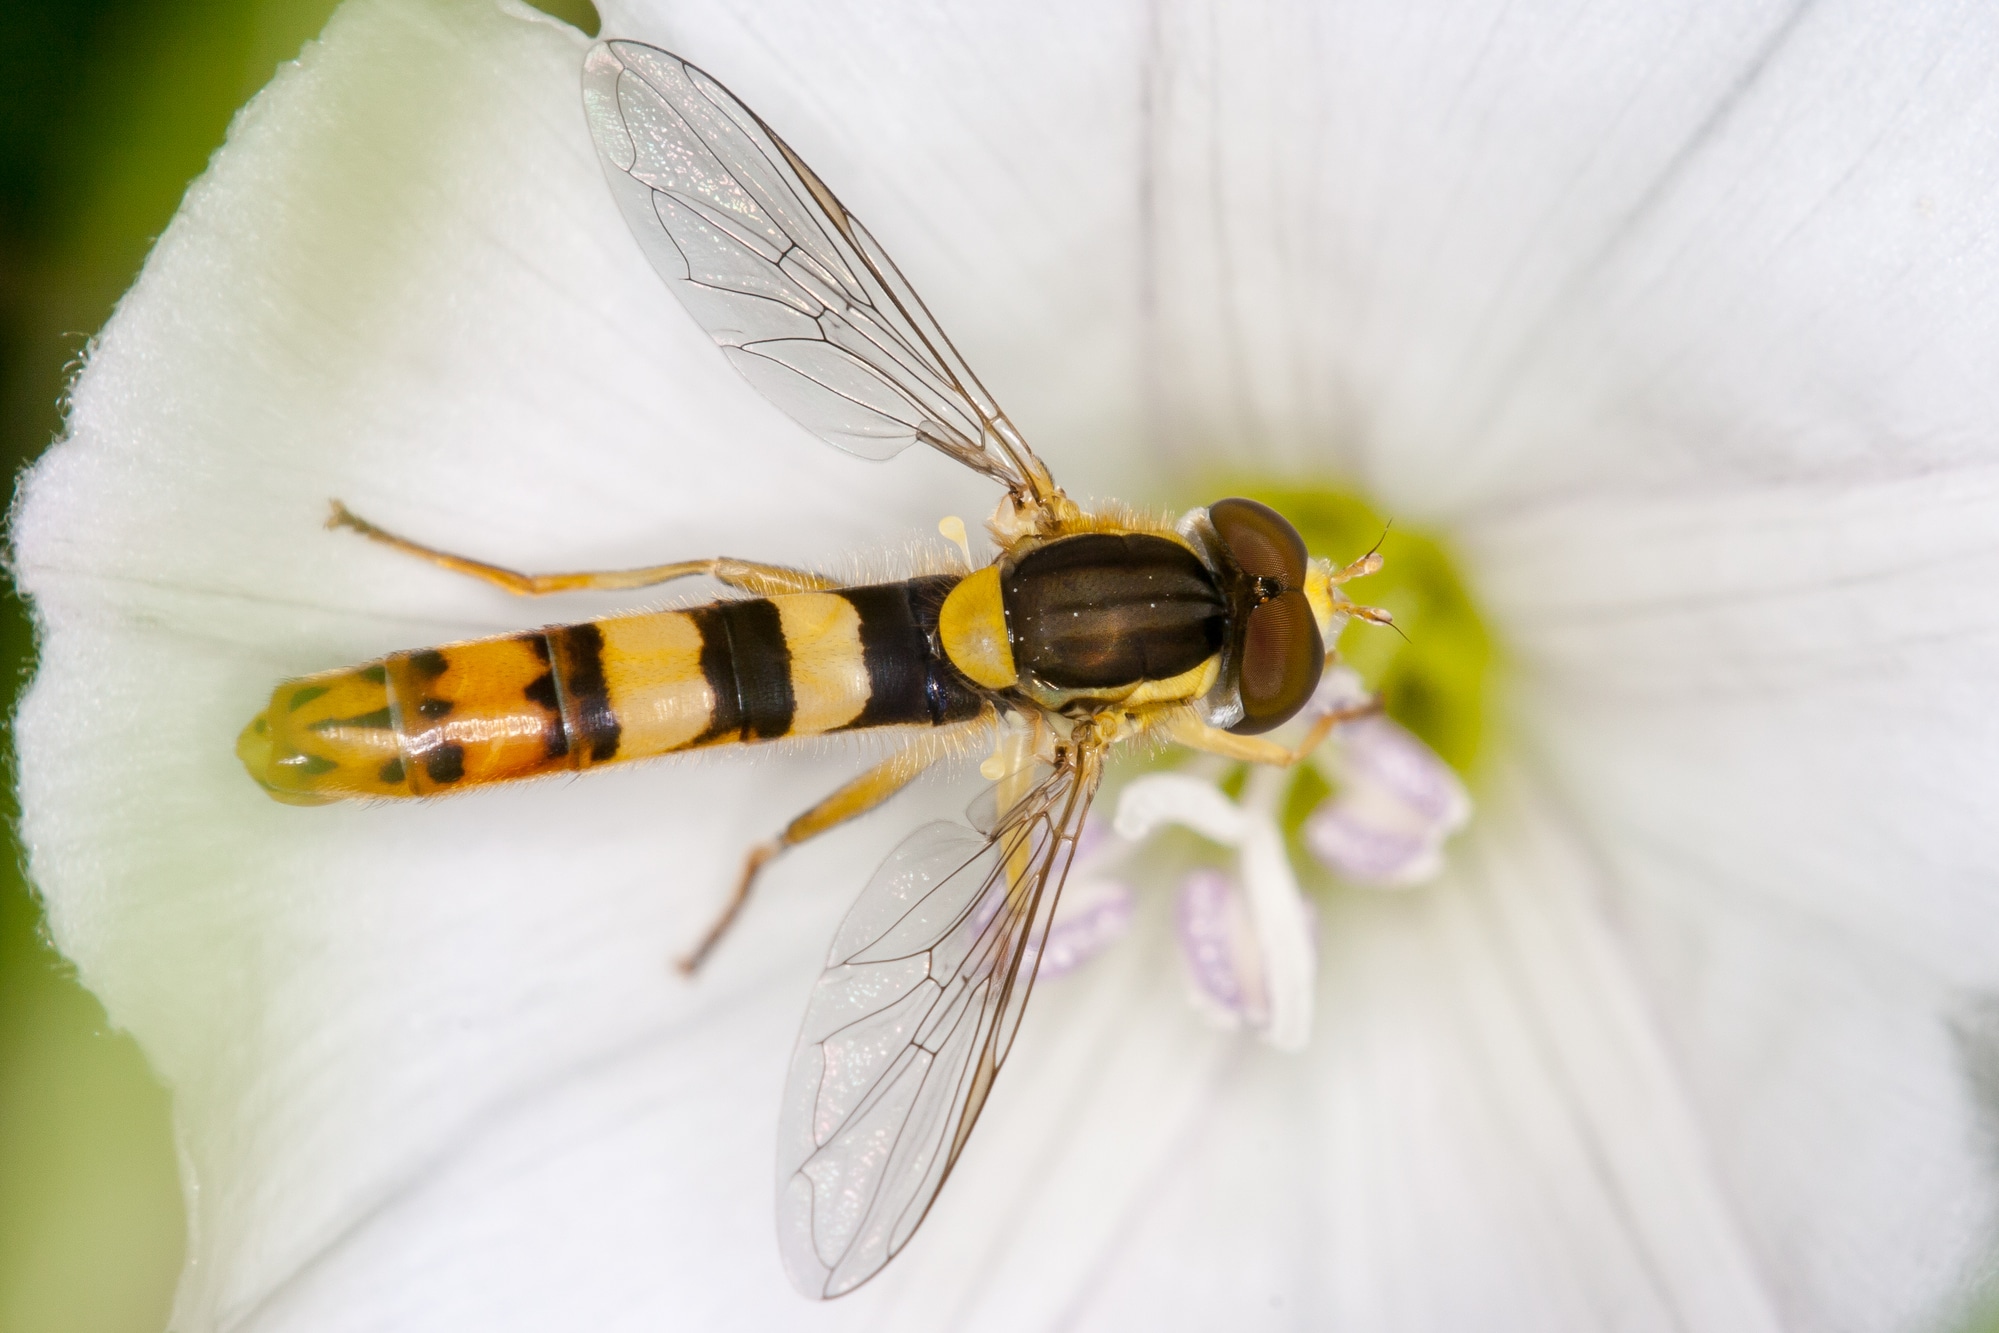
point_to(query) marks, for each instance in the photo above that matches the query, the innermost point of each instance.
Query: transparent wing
(921, 997)
(789, 283)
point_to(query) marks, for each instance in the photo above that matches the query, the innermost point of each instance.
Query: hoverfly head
(1281, 607)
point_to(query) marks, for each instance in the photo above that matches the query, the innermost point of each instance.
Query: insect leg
(1359, 569)
(1373, 615)
(764, 580)
(1198, 735)
(857, 797)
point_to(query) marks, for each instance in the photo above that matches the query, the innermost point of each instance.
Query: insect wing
(908, 1026)
(797, 293)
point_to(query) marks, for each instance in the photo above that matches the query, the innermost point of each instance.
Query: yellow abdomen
(574, 696)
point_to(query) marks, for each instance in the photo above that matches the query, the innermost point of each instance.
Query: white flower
(1677, 320)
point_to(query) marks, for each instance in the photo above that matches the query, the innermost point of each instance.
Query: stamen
(1278, 912)
(1227, 979)
(1393, 806)
(1279, 923)
(1206, 917)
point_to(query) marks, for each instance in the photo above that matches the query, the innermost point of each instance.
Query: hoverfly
(1093, 627)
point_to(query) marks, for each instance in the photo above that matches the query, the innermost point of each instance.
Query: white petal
(1486, 1134)
(1803, 286)
(1475, 253)
(1773, 711)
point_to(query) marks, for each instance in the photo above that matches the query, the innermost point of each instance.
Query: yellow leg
(1190, 731)
(764, 580)
(858, 797)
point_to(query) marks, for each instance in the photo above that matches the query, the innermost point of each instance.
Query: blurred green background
(108, 108)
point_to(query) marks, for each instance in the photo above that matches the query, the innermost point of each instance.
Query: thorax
(1092, 616)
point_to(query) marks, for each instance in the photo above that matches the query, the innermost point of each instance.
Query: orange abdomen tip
(326, 738)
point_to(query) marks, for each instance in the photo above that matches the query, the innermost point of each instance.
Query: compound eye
(1261, 540)
(1282, 657)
